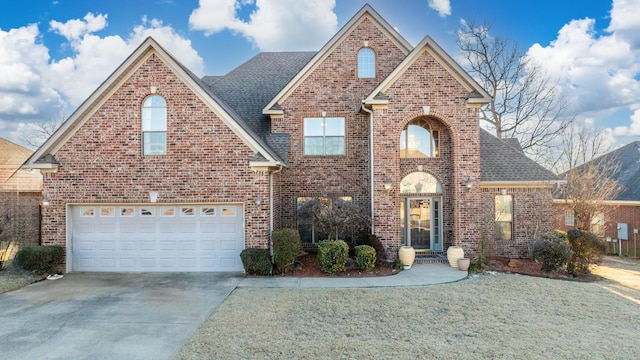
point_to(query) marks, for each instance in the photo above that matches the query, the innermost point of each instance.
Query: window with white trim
(569, 218)
(419, 140)
(597, 224)
(154, 126)
(366, 63)
(504, 217)
(324, 136)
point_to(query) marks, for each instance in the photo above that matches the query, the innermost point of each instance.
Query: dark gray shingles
(500, 161)
(627, 159)
(250, 86)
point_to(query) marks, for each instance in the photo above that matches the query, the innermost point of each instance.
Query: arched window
(366, 63)
(420, 182)
(154, 126)
(418, 140)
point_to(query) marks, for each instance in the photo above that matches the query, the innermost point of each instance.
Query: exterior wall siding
(23, 211)
(205, 161)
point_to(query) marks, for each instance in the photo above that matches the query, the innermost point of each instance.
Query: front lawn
(500, 316)
(13, 279)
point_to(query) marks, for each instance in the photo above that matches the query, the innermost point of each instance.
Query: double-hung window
(324, 136)
(504, 217)
(154, 126)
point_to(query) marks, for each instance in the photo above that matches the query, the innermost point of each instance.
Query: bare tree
(42, 130)
(591, 175)
(526, 104)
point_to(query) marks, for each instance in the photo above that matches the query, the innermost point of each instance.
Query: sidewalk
(418, 275)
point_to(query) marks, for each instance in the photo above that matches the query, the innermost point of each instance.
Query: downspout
(370, 165)
(271, 173)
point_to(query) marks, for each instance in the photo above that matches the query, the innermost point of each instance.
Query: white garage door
(157, 237)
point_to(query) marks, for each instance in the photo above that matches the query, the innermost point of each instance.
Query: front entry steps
(424, 256)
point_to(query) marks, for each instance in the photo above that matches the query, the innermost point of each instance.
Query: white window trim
(324, 136)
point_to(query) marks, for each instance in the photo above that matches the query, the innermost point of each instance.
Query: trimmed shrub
(256, 261)
(374, 242)
(365, 257)
(587, 250)
(332, 255)
(552, 252)
(286, 248)
(39, 259)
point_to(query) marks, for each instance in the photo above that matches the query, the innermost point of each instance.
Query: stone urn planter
(406, 255)
(463, 264)
(453, 254)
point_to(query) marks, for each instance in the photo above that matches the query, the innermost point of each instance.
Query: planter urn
(463, 264)
(453, 254)
(406, 255)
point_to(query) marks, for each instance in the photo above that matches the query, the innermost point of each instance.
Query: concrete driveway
(109, 316)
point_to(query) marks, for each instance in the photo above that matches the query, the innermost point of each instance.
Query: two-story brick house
(159, 170)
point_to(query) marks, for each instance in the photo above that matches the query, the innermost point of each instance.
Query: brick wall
(205, 161)
(613, 214)
(23, 209)
(532, 214)
(333, 87)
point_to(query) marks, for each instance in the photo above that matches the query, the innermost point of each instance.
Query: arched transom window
(420, 183)
(366, 63)
(418, 140)
(154, 126)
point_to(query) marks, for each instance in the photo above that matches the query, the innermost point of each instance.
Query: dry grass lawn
(499, 316)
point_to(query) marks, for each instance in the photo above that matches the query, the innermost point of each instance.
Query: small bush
(365, 257)
(374, 242)
(256, 261)
(40, 259)
(587, 250)
(286, 249)
(552, 252)
(332, 255)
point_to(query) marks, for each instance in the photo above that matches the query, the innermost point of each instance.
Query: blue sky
(53, 54)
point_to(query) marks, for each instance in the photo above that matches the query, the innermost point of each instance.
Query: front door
(421, 223)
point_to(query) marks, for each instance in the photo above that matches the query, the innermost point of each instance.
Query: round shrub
(40, 259)
(332, 255)
(286, 248)
(365, 257)
(552, 252)
(256, 261)
(587, 250)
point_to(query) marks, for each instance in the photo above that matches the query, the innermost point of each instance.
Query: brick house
(619, 221)
(20, 197)
(159, 170)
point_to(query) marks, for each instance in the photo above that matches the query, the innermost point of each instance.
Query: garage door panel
(157, 238)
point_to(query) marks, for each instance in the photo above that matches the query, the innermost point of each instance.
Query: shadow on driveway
(107, 315)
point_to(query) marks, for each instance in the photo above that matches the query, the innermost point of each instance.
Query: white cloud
(36, 89)
(598, 72)
(74, 29)
(443, 7)
(274, 25)
(94, 58)
(633, 129)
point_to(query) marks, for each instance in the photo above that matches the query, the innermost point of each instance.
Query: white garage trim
(155, 237)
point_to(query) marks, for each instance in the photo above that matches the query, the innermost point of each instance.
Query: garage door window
(228, 212)
(146, 212)
(208, 211)
(187, 211)
(107, 212)
(87, 212)
(168, 211)
(126, 212)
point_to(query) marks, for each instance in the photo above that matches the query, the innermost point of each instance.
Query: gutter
(370, 164)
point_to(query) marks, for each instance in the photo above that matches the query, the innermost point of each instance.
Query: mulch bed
(308, 267)
(532, 268)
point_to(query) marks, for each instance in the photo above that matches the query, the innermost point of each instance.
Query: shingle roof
(628, 175)
(249, 87)
(11, 178)
(500, 161)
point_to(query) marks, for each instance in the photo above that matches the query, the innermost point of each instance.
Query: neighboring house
(620, 217)
(159, 170)
(20, 197)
